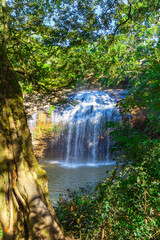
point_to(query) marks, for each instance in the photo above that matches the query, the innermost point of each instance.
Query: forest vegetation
(48, 46)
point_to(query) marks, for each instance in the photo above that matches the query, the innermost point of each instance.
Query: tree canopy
(56, 44)
(39, 34)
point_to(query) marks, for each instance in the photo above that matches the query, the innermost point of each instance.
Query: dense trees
(40, 34)
(55, 44)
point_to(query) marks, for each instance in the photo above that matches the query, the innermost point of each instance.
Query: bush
(123, 206)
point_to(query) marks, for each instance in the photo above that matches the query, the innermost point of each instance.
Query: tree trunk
(25, 210)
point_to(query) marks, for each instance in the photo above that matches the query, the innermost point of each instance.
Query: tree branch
(123, 22)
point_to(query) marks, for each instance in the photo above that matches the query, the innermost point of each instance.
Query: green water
(62, 178)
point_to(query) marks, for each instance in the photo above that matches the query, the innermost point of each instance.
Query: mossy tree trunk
(25, 210)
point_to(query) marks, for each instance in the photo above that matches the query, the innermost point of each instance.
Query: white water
(33, 121)
(84, 139)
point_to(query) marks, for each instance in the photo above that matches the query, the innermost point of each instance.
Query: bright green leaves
(51, 109)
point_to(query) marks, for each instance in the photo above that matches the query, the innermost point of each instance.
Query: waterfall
(83, 137)
(33, 121)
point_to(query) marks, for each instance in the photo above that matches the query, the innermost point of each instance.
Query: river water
(62, 178)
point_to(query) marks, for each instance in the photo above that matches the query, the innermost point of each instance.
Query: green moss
(1, 231)
(51, 109)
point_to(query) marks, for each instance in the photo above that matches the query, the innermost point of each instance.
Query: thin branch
(123, 22)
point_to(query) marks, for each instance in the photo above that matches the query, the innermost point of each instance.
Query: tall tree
(26, 212)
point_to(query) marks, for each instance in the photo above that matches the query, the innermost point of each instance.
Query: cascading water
(33, 121)
(83, 137)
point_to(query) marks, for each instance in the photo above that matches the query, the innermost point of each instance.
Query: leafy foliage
(126, 204)
(46, 42)
(57, 44)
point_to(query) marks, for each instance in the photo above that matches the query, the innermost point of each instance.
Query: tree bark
(25, 209)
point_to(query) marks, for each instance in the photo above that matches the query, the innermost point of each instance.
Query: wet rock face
(42, 133)
(77, 129)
